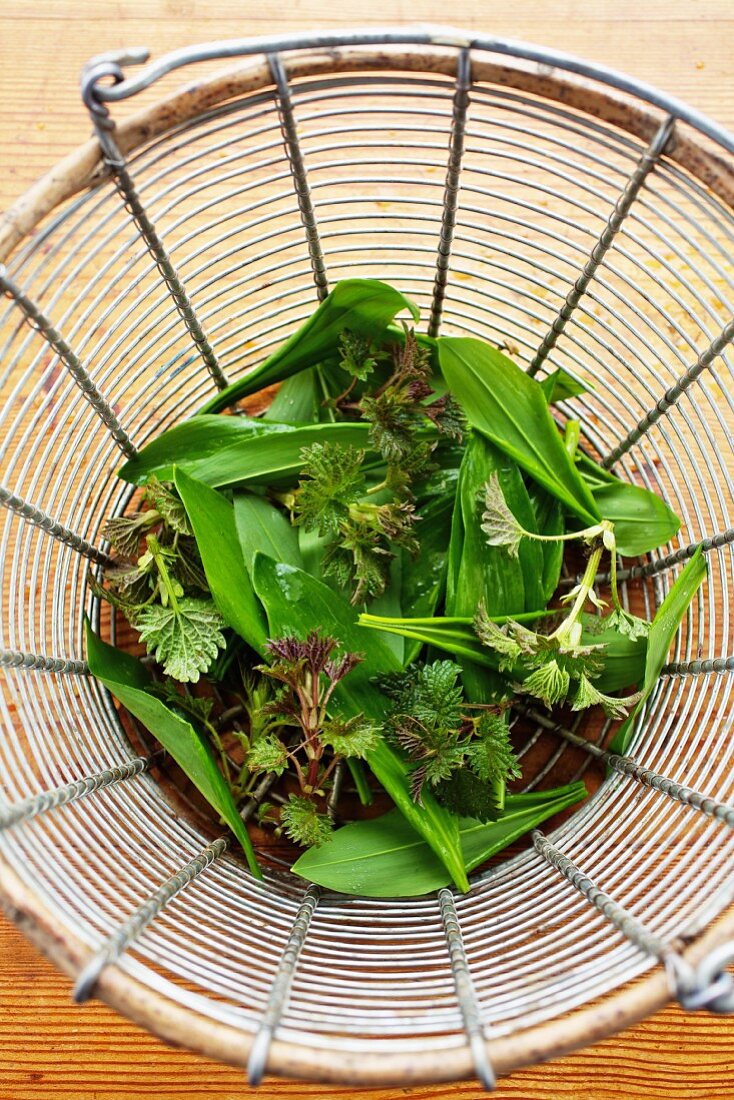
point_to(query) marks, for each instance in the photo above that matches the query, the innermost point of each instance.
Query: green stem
(585, 588)
(571, 437)
(326, 404)
(155, 548)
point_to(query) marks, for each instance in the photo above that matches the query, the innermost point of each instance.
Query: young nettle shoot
(163, 591)
(458, 751)
(558, 667)
(313, 735)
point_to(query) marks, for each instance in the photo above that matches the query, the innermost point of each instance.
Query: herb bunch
(308, 732)
(429, 474)
(158, 583)
(460, 753)
(366, 524)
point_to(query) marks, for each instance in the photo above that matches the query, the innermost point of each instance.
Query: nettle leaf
(466, 795)
(169, 506)
(125, 532)
(498, 523)
(185, 637)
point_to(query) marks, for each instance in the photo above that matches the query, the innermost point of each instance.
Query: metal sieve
(567, 212)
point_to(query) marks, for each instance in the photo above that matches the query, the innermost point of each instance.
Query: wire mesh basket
(518, 195)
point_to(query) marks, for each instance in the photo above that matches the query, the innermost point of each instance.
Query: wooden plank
(49, 1049)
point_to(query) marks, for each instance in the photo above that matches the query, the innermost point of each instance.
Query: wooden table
(49, 1048)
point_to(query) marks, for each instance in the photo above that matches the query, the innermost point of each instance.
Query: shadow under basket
(553, 207)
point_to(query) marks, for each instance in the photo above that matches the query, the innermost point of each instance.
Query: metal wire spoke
(37, 320)
(627, 766)
(126, 935)
(451, 191)
(673, 395)
(51, 526)
(116, 161)
(36, 662)
(622, 207)
(280, 989)
(300, 177)
(80, 788)
(465, 991)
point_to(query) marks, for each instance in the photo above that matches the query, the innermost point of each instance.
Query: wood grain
(48, 1047)
(51, 1049)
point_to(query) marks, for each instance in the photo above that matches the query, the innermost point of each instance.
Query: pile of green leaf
(361, 579)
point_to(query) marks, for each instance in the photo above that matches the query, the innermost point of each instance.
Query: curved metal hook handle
(123, 88)
(103, 65)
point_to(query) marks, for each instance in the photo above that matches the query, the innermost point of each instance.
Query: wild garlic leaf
(498, 523)
(185, 637)
(365, 306)
(385, 857)
(509, 407)
(662, 632)
(213, 520)
(131, 683)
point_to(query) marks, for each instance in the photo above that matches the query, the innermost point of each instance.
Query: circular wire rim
(83, 168)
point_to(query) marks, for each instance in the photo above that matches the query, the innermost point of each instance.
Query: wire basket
(518, 195)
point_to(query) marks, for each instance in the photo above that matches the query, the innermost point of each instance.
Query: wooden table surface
(49, 1048)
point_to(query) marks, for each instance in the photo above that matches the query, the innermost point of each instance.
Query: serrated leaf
(168, 505)
(185, 637)
(129, 682)
(466, 795)
(498, 523)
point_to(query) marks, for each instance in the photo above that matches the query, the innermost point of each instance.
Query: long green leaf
(213, 520)
(560, 385)
(385, 858)
(423, 579)
(270, 459)
(662, 632)
(642, 521)
(297, 400)
(296, 603)
(193, 441)
(263, 529)
(509, 407)
(129, 682)
(364, 306)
